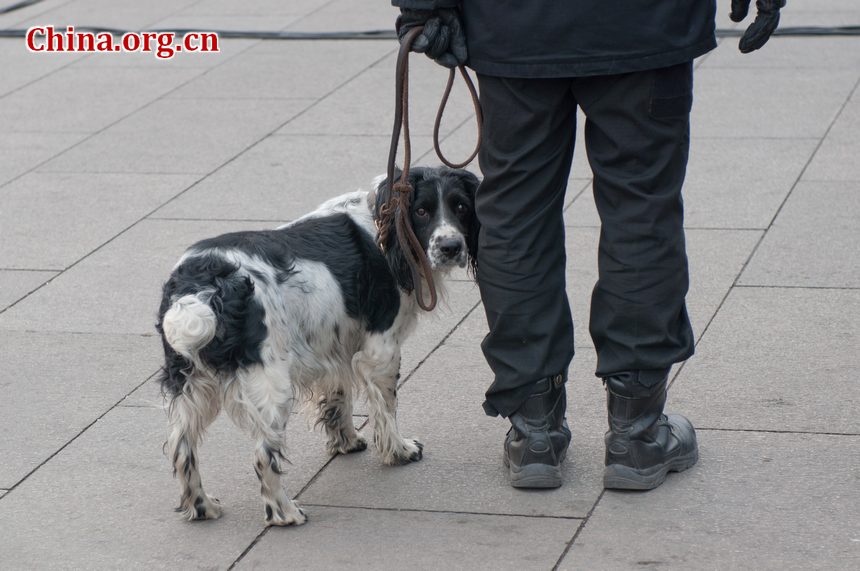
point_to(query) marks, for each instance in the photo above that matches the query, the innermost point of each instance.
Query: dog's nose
(450, 247)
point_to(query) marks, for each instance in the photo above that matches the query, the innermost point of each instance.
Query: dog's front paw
(203, 507)
(292, 515)
(410, 451)
(358, 444)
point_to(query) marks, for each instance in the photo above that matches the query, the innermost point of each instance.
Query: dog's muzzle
(447, 251)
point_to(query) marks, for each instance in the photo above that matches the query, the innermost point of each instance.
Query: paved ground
(111, 165)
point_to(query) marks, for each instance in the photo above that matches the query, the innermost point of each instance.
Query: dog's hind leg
(265, 402)
(335, 414)
(190, 413)
(378, 365)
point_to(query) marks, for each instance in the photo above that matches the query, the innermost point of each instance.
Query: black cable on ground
(799, 31)
(18, 5)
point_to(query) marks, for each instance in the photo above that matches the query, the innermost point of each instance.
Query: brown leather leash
(397, 209)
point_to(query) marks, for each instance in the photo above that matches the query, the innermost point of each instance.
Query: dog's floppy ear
(471, 184)
(393, 254)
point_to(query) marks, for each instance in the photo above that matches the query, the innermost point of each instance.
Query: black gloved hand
(442, 39)
(764, 25)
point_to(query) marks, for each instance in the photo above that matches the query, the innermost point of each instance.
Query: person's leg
(528, 136)
(637, 139)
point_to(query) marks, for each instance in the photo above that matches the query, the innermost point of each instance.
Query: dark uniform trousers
(637, 141)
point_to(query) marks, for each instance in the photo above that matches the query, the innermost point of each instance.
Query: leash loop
(397, 209)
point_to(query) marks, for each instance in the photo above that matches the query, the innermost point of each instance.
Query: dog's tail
(190, 324)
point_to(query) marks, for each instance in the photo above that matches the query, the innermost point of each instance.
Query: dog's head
(442, 211)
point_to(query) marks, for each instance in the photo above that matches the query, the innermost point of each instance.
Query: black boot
(538, 439)
(643, 444)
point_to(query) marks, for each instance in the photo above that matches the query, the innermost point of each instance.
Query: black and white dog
(255, 322)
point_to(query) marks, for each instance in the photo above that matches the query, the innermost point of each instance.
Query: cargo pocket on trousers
(672, 91)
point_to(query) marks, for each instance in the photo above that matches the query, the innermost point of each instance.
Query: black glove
(442, 39)
(764, 25)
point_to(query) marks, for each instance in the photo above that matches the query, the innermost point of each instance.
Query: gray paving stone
(776, 359)
(376, 539)
(814, 240)
(715, 258)
(179, 136)
(85, 100)
(13, 18)
(117, 289)
(117, 468)
(340, 15)
(462, 468)
(356, 108)
(228, 49)
(754, 501)
(132, 16)
(217, 23)
(2, 493)
(51, 220)
(20, 152)
(261, 8)
(460, 299)
(811, 13)
(21, 67)
(837, 157)
(289, 69)
(284, 177)
(16, 284)
(788, 52)
(731, 183)
(739, 103)
(54, 385)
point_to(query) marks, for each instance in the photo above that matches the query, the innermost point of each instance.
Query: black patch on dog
(368, 288)
(241, 327)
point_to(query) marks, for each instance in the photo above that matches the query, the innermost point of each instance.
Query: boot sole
(620, 477)
(540, 476)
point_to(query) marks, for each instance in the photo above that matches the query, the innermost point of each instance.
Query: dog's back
(303, 294)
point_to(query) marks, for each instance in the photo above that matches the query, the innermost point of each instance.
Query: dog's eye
(461, 208)
(421, 212)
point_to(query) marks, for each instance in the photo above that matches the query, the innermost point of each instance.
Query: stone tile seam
(582, 190)
(775, 286)
(74, 438)
(126, 173)
(578, 531)
(92, 135)
(452, 512)
(694, 138)
(186, 219)
(775, 431)
(775, 67)
(58, 332)
(773, 219)
(232, 98)
(707, 228)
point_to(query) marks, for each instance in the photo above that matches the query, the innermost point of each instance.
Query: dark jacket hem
(580, 68)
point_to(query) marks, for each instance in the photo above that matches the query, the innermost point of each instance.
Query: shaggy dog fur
(254, 322)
